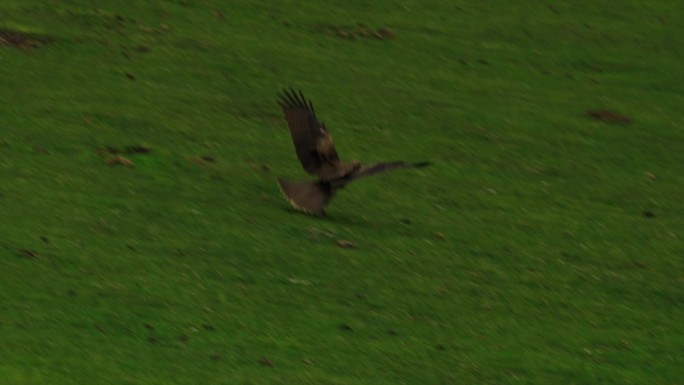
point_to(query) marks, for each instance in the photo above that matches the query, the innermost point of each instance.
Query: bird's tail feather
(310, 197)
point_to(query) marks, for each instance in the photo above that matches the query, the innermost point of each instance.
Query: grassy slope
(522, 256)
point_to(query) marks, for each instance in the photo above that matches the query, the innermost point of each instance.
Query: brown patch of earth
(345, 244)
(609, 116)
(17, 39)
(137, 150)
(260, 167)
(345, 327)
(265, 362)
(120, 161)
(203, 160)
(30, 254)
(130, 150)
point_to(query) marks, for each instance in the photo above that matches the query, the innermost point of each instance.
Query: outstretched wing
(385, 166)
(311, 139)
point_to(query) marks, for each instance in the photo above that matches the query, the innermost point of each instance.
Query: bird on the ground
(316, 152)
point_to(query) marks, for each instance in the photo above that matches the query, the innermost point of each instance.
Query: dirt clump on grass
(609, 116)
(130, 150)
(265, 361)
(17, 39)
(27, 253)
(345, 244)
(120, 161)
(139, 149)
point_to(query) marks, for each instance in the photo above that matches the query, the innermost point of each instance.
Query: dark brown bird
(316, 152)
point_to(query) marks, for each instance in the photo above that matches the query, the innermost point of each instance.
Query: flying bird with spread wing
(316, 152)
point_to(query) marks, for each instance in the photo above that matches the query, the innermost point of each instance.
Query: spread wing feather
(385, 166)
(312, 141)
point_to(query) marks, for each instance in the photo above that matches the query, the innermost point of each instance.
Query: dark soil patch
(142, 49)
(130, 150)
(137, 150)
(358, 31)
(260, 167)
(203, 160)
(30, 254)
(345, 328)
(265, 362)
(609, 116)
(22, 40)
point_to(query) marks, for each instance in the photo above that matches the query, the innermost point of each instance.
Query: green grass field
(544, 246)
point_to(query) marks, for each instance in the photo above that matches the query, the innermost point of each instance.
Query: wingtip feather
(290, 97)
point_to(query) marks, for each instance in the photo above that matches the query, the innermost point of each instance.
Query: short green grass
(524, 255)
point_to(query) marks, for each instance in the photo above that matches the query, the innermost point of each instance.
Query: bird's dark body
(317, 154)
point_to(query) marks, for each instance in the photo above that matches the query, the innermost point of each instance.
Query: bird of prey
(316, 152)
